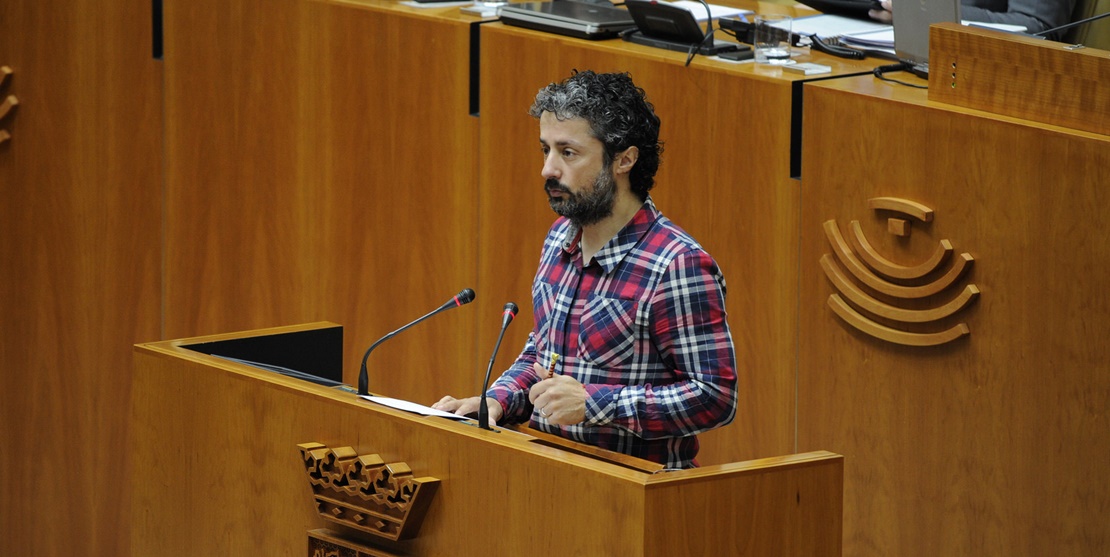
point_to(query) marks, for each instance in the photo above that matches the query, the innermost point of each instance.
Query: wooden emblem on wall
(890, 301)
(7, 104)
(365, 493)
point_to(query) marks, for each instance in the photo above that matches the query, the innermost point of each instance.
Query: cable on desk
(899, 67)
(833, 47)
(836, 40)
(696, 48)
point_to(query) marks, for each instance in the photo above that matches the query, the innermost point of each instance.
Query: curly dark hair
(619, 115)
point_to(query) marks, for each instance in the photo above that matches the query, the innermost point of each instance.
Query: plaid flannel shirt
(643, 328)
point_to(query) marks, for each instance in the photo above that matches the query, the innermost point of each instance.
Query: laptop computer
(670, 27)
(911, 29)
(848, 8)
(568, 17)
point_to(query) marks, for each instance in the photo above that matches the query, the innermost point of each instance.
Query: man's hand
(561, 400)
(886, 14)
(470, 406)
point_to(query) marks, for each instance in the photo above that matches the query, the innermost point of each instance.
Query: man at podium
(630, 348)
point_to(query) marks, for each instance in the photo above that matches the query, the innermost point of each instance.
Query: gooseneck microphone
(507, 316)
(708, 38)
(464, 297)
(1046, 32)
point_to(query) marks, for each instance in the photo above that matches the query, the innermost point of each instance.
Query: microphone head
(509, 312)
(464, 297)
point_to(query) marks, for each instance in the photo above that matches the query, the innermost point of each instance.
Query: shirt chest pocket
(608, 332)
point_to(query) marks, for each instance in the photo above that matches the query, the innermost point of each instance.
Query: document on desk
(436, 4)
(413, 407)
(717, 11)
(997, 26)
(884, 38)
(825, 26)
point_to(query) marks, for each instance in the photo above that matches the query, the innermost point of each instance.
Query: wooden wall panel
(79, 264)
(321, 166)
(996, 443)
(724, 178)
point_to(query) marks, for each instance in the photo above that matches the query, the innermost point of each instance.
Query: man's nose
(550, 167)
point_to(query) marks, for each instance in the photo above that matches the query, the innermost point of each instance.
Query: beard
(586, 207)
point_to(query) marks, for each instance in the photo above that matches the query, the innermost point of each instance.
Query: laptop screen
(665, 21)
(912, 19)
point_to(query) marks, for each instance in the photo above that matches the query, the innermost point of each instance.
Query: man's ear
(625, 160)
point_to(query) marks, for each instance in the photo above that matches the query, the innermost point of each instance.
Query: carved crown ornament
(365, 493)
(913, 297)
(7, 104)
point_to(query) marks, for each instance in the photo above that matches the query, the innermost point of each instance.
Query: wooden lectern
(220, 449)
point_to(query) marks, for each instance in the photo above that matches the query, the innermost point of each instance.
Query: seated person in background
(1034, 15)
(631, 304)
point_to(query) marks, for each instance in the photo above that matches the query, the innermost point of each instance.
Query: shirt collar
(611, 254)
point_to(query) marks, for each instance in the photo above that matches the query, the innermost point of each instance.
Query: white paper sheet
(411, 407)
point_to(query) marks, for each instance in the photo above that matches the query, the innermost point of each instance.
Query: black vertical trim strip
(156, 28)
(475, 66)
(796, 106)
(796, 129)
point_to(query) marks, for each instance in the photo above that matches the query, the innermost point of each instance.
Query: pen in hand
(551, 367)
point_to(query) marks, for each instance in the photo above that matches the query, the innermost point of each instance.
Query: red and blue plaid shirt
(643, 327)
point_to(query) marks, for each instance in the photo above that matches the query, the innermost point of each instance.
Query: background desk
(994, 444)
(319, 162)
